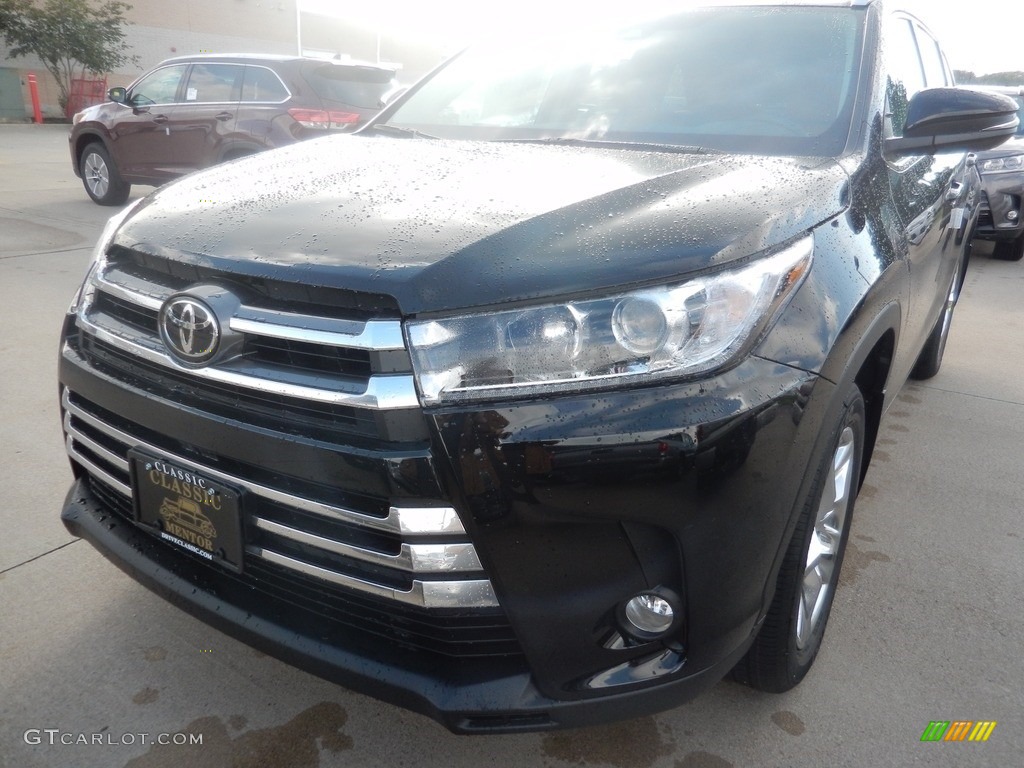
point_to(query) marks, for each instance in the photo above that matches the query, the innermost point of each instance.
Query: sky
(979, 36)
(989, 39)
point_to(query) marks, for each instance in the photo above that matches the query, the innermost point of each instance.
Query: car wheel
(789, 639)
(100, 177)
(930, 359)
(1012, 250)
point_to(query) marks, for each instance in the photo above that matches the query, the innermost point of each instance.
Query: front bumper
(574, 504)
(1001, 218)
(483, 698)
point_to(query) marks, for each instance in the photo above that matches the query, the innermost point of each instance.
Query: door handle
(160, 119)
(224, 115)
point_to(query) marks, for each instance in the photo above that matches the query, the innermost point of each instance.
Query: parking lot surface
(927, 625)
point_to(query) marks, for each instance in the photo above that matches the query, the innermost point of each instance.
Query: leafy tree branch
(70, 37)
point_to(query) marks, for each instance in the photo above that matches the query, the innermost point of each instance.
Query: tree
(70, 37)
(994, 78)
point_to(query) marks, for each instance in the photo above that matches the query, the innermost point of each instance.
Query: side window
(931, 56)
(159, 87)
(905, 74)
(261, 84)
(213, 83)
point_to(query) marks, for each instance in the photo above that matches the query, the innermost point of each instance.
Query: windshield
(767, 80)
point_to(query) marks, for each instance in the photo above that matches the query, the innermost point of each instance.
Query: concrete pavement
(926, 626)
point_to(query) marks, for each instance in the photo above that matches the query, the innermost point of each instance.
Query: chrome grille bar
(416, 558)
(381, 392)
(412, 520)
(426, 594)
(95, 469)
(102, 451)
(375, 335)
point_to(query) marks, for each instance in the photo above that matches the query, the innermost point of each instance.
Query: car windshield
(766, 80)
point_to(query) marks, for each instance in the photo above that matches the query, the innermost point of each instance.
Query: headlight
(677, 330)
(99, 253)
(1003, 164)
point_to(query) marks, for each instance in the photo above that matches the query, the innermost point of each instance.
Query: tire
(100, 177)
(930, 359)
(789, 639)
(1011, 250)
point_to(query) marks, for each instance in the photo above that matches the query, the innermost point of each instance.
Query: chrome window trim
(188, 74)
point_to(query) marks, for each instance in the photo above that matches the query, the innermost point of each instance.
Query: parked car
(1002, 176)
(545, 398)
(192, 112)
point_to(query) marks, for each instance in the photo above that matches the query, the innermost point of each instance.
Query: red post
(33, 89)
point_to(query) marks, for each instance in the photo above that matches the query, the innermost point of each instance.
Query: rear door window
(213, 83)
(261, 85)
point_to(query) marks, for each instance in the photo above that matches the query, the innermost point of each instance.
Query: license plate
(187, 509)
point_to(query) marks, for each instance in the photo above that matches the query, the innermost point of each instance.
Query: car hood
(442, 226)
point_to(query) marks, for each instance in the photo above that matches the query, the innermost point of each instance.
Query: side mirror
(955, 119)
(118, 95)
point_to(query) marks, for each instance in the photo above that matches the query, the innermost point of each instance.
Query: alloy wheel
(96, 174)
(826, 540)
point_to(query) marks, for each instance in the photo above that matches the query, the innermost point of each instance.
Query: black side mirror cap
(955, 119)
(118, 95)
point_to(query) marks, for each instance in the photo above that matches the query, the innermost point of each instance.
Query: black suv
(545, 398)
(194, 111)
(1002, 183)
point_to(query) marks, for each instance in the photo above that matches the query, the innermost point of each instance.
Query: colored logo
(958, 730)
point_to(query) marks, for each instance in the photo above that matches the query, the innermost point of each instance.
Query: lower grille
(409, 575)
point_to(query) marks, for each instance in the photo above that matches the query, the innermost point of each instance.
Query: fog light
(1012, 215)
(649, 616)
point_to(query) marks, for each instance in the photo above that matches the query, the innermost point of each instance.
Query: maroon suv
(191, 112)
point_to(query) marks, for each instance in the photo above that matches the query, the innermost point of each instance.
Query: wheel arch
(869, 366)
(237, 149)
(862, 356)
(83, 140)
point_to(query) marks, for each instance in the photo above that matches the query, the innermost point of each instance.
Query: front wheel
(789, 639)
(100, 177)
(1012, 250)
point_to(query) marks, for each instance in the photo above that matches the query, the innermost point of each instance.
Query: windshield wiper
(641, 146)
(395, 130)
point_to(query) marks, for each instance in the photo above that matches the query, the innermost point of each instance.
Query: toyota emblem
(189, 329)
